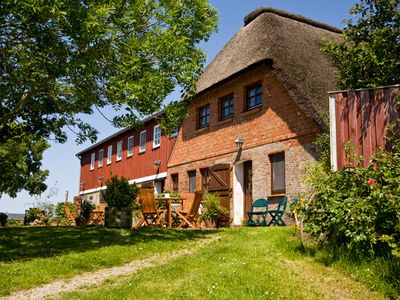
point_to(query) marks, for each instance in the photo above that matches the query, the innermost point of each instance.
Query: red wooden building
(139, 155)
(360, 117)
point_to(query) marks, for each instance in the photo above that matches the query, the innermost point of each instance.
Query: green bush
(85, 209)
(15, 222)
(120, 193)
(60, 210)
(212, 208)
(34, 214)
(3, 219)
(358, 208)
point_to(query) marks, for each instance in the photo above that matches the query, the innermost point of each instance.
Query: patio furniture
(150, 214)
(169, 205)
(259, 208)
(190, 215)
(70, 217)
(277, 214)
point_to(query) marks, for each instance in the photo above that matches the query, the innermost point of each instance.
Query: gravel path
(92, 279)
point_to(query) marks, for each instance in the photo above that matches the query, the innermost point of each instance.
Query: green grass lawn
(244, 263)
(31, 256)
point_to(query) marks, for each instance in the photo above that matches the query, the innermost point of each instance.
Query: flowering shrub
(359, 207)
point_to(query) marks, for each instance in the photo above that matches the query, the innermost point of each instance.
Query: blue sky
(60, 159)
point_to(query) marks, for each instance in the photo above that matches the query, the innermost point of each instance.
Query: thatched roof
(292, 43)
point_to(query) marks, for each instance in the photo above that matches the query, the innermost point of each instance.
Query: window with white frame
(142, 141)
(92, 159)
(101, 157)
(157, 136)
(175, 132)
(130, 147)
(119, 151)
(109, 154)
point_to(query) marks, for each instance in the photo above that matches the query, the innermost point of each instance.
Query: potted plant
(84, 211)
(120, 197)
(213, 210)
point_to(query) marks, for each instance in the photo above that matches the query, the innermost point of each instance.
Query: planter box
(118, 217)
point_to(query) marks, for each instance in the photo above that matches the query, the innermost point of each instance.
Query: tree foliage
(60, 58)
(369, 53)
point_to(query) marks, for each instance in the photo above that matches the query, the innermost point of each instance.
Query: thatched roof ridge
(293, 45)
(255, 13)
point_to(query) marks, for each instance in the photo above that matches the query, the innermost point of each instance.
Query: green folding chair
(277, 214)
(259, 208)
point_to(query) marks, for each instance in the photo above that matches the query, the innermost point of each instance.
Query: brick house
(267, 87)
(139, 155)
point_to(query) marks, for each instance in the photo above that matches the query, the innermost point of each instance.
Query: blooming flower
(371, 181)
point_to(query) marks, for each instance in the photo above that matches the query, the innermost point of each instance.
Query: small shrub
(15, 222)
(34, 214)
(120, 193)
(3, 219)
(60, 210)
(85, 209)
(212, 208)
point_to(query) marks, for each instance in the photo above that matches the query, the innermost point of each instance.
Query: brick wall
(279, 125)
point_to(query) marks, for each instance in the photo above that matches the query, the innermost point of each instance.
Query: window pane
(92, 159)
(278, 172)
(254, 96)
(101, 157)
(119, 150)
(192, 181)
(156, 136)
(142, 142)
(130, 146)
(174, 178)
(109, 154)
(204, 116)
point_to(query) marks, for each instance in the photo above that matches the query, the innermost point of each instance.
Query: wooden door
(219, 184)
(248, 186)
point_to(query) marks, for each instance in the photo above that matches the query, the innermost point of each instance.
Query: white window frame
(109, 154)
(129, 151)
(119, 150)
(92, 160)
(156, 145)
(101, 158)
(175, 132)
(142, 148)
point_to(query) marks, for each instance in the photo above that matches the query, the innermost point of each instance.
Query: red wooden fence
(361, 117)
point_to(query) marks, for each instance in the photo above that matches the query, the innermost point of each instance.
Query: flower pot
(118, 217)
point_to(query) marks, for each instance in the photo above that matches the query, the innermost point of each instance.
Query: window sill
(226, 120)
(155, 147)
(118, 160)
(141, 152)
(277, 195)
(129, 156)
(204, 128)
(99, 167)
(109, 163)
(252, 110)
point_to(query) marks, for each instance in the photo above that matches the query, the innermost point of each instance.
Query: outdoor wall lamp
(156, 164)
(100, 179)
(239, 143)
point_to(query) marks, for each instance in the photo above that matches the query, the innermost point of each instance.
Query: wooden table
(169, 206)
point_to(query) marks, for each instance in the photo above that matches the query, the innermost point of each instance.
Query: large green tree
(369, 53)
(59, 58)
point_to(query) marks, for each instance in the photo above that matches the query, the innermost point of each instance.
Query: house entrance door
(247, 186)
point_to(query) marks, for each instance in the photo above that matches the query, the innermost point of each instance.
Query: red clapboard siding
(134, 167)
(362, 117)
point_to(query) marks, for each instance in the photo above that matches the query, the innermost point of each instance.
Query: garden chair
(150, 214)
(259, 208)
(277, 214)
(70, 217)
(190, 215)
